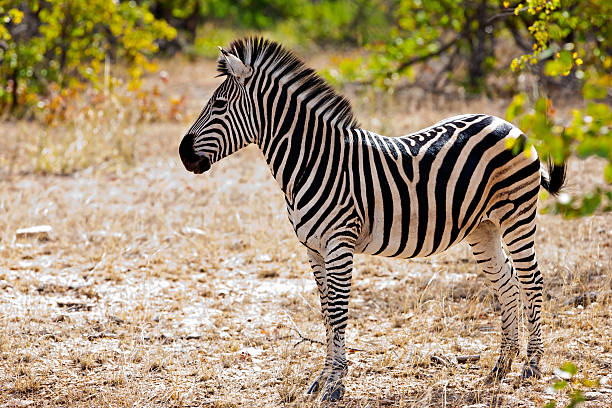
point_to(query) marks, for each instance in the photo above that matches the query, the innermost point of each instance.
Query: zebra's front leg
(317, 262)
(339, 269)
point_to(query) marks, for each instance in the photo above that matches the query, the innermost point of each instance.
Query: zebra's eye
(219, 103)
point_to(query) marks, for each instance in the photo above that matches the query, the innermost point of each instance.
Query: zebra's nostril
(191, 161)
(186, 149)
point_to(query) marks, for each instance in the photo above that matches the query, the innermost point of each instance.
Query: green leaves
(580, 206)
(569, 368)
(568, 385)
(588, 134)
(564, 40)
(561, 65)
(68, 42)
(8, 16)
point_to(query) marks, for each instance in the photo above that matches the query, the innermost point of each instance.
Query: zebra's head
(225, 124)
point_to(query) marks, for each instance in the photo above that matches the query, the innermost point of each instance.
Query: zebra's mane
(258, 52)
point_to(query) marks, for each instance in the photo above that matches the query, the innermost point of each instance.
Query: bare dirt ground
(160, 288)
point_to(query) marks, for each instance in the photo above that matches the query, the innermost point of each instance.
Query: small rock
(263, 258)
(251, 351)
(163, 75)
(592, 395)
(562, 374)
(192, 231)
(466, 359)
(41, 232)
(74, 305)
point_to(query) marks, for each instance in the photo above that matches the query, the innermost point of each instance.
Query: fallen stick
(302, 337)
(466, 359)
(315, 341)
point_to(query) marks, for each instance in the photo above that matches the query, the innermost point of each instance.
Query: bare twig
(311, 340)
(441, 74)
(440, 359)
(169, 339)
(302, 337)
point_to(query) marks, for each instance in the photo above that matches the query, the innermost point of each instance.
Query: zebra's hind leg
(519, 238)
(486, 246)
(318, 269)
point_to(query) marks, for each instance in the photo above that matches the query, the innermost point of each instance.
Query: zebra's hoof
(531, 371)
(496, 375)
(333, 391)
(314, 388)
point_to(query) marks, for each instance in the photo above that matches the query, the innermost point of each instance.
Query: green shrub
(570, 38)
(69, 42)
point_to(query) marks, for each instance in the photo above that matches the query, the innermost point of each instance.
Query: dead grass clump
(26, 381)
(155, 366)
(292, 382)
(87, 361)
(117, 379)
(228, 360)
(268, 273)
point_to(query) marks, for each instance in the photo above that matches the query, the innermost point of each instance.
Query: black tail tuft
(554, 181)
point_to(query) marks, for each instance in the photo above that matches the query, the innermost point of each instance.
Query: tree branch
(518, 39)
(425, 57)
(504, 14)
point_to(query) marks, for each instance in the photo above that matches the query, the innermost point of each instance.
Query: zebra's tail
(553, 178)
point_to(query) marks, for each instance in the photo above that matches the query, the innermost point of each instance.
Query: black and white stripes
(349, 190)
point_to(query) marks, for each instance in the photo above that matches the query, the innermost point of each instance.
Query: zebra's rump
(426, 191)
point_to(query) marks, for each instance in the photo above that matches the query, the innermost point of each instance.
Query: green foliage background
(480, 46)
(67, 42)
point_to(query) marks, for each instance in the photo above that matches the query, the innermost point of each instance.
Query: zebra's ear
(236, 68)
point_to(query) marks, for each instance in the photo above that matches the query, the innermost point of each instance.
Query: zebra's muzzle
(192, 162)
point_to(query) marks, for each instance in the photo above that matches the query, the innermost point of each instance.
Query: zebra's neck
(298, 133)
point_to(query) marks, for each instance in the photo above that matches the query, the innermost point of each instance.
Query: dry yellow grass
(157, 287)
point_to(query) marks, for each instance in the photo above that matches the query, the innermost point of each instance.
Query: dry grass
(161, 288)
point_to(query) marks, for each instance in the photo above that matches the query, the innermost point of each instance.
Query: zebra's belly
(407, 241)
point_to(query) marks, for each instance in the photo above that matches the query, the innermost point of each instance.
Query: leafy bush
(70, 42)
(570, 385)
(464, 33)
(355, 22)
(570, 39)
(352, 22)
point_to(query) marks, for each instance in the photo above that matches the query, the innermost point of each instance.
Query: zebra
(349, 190)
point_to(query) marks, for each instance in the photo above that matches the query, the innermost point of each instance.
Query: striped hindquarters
(421, 193)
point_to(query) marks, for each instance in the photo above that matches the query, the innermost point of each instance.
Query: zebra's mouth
(198, 167)
(192, 162)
